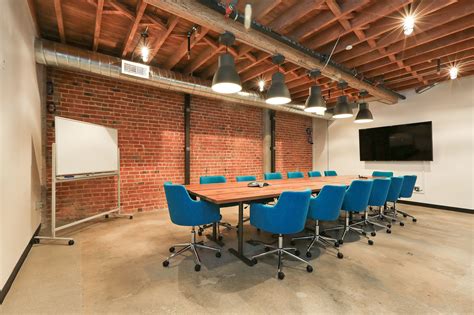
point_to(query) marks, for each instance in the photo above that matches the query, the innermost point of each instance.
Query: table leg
(214, 235)
(239, 253)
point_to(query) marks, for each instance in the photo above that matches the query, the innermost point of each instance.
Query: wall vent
(135, 69)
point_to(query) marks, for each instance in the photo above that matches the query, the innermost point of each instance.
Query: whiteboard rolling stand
(82, 151)
(61, 179)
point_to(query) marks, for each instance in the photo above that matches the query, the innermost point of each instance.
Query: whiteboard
(84, 148)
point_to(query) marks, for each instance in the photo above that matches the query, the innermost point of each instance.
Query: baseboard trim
(441, 207)
(8, 284)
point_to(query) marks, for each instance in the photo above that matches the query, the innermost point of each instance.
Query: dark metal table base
(239, 252)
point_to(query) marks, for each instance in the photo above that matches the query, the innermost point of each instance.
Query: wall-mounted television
(410, 142)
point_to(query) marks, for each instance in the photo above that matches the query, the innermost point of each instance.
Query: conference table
(239, 193)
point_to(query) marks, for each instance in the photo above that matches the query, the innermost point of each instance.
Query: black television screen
(411, 142)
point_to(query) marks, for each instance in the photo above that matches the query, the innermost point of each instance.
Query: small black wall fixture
(187, 139)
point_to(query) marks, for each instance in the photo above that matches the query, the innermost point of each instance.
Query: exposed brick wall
(293, 151)
(226, 139)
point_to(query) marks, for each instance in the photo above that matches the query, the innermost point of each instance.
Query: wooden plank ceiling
(443, 36)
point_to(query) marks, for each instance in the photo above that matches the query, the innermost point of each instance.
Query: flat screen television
(410, 142)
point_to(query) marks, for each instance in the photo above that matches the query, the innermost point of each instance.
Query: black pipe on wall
(187, 139)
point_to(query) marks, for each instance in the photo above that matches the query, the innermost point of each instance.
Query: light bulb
(453, 72)
(145, 52)
(261, 85)
(408, 24)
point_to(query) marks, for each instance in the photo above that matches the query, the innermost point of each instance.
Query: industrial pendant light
(315, 102)
(226, 80)
(364, 115)
(343, 109)
(278, 93)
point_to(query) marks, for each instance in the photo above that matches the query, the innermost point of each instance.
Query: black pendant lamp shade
(364, 115)
(278, 92)
(226, 79)
(315, 103)
(343, 109)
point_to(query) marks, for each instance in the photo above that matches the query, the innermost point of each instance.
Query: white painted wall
(448, 179)
(20, 134)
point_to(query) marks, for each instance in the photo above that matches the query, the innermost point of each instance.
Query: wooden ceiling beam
(369, 15)
(122, 9)
(467, 45)
(171, 24)
(202, 15)
(98, 22)
(294, 13)
(261, 8)
(432, 79)
(141, 6)
(183, 48)
(324, 19)
(60, 21)
(447, 41)
(202, 58)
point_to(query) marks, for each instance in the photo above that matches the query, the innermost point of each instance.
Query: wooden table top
(225, 193)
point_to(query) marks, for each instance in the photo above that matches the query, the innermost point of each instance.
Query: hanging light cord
(332, 52)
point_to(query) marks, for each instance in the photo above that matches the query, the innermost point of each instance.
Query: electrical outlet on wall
(417, 189)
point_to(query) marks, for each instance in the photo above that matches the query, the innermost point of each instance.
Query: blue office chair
(330, 173)
(295, 175)
(392, 196)
(314, 174)
(215, 179)
(377, 198)
(272, 176)
(356, 200)
(382, 174)
(326, 207)
(246, 178)
(185, 211)
(408, 186)
(288, 216)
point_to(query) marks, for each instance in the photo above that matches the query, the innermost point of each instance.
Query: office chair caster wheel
(414, 220)
(106, 216)
(363, 233)
(171, 249)
(281, 275)
(130, 217)
(197, 268)
(336, 244)
(370, 242)
(389, 226)
(340, 242)
(393, 220)
(404, 215)
(200, 233)
(297, 252)
(373, 234)
(308, 254)
(309, 268)
(166, 263)
(218, 254)
(267, 249)
(402, 224)
(389, 231)
(340, 255)
(70, 243)
(292, 243)
(219, 238)
(254, 261)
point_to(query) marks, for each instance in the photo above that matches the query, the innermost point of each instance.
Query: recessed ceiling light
(408, 24)
(453, 72)
(348, 47)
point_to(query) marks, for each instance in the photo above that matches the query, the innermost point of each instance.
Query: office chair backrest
(178, 204)
(214, 179)
(246, 178)
(357, 195)
(382, 174)
(290, 213)
(271, 176)
(327, 204)
(295, 175)
(395, 189)
(379, 193)
(330, 173)
(314, 174)
(409, 182)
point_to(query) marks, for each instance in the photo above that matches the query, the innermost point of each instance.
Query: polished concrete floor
(116, 267)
